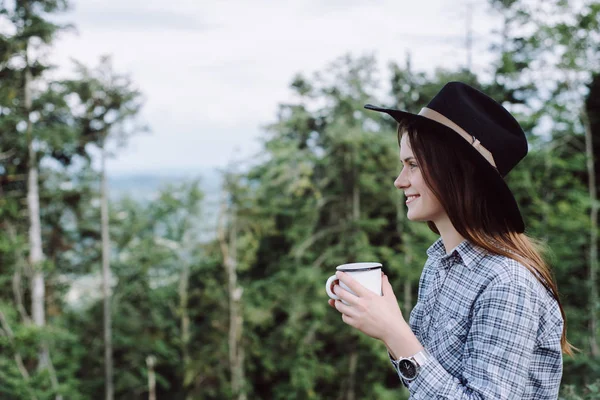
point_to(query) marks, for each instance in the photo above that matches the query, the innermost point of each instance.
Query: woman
(488, 323)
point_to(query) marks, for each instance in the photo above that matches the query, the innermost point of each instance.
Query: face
(420, 200)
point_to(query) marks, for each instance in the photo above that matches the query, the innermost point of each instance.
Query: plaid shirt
(492, 329)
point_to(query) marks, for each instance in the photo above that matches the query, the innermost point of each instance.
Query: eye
(413, 165)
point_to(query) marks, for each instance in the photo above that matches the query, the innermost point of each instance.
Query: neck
(449, 234)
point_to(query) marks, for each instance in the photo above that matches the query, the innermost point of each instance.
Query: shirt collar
(468, 253)
(437, 249)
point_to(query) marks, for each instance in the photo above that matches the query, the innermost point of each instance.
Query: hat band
(437, 117)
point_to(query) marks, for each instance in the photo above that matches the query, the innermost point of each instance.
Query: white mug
(367, 274)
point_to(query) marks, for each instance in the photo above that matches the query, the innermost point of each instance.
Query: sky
(213, 72)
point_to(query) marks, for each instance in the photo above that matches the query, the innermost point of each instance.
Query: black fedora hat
(489, 134)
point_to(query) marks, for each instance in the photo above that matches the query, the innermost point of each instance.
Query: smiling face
(422, 203)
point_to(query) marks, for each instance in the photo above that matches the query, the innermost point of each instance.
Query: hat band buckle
(437, 117)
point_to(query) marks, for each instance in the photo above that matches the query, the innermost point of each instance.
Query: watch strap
(422, 357)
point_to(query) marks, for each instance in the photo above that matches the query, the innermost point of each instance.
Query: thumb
(386, 287)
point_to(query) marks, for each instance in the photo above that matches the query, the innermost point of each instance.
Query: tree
(32, 28)
(321, 198)
(228, 245)
(109, 104)
(548, 63)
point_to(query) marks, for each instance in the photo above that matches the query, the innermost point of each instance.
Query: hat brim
(503, 196)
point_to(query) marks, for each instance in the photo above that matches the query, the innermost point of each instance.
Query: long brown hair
(468, 198)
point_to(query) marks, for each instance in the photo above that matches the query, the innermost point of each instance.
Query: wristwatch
(409, 367)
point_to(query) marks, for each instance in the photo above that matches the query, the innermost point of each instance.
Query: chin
(417, 216)
(414, 216)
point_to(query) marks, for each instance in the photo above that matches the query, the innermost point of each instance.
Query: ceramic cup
(367, 274)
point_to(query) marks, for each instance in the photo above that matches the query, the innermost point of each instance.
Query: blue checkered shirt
(492, 329)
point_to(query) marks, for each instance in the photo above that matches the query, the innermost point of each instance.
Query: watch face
(407, 369)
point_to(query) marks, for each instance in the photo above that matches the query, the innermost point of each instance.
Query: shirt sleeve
(497, 353)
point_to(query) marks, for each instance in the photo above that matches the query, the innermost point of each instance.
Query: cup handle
(331, 279)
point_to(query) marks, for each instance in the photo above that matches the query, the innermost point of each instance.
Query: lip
(411, 197)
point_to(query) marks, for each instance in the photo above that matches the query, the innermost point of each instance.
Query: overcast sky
(212, 72)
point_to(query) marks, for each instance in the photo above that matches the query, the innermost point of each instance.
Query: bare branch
(299, 252)
(8, 154)
(221, 229)
(16, 279)
(6, 331)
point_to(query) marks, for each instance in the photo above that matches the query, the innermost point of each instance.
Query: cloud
(141, 19)
(213, 72)
(185, 146)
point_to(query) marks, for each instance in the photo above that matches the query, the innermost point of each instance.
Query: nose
(401, 181)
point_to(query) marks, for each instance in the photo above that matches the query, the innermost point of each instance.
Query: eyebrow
(407, 159)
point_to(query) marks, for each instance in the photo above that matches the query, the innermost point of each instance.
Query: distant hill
(145, 186)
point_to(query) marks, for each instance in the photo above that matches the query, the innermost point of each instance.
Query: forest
(243, 314)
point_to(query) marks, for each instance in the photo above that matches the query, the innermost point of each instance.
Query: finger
(386, 286)
(331, 302)
(345, 295)
(344, 309)
(355, 286)
(348, 320)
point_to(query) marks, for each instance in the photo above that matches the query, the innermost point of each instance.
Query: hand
(377, 316)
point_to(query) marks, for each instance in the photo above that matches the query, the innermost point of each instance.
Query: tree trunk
(108, 362)
(407, 306)
(150, 361)
(469, 38)
(36, 252)
(355, 200)
(589, 149)
(352, 375)
(236, 351)
(185, 320)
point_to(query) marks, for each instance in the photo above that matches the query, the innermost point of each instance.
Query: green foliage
(589, 392)
(321, 195)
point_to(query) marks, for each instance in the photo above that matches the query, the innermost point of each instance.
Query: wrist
(401, 341)
(394, 329)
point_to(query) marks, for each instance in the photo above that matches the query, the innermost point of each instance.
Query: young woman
(488, 323)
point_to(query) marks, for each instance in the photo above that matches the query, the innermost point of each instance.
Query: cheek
(432, 204)
(429, 199)
(418, 183)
